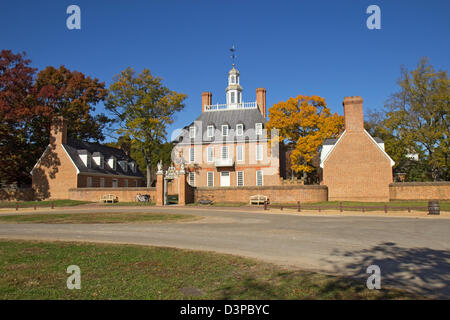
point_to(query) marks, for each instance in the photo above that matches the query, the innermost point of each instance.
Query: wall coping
(285, 187)
(420, 184)
(115, 189)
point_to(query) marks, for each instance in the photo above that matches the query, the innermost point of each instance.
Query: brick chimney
(261, 100)
(206, 100)
(58, 131)
(353, 113)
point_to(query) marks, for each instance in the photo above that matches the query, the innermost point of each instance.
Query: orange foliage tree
(304, 123)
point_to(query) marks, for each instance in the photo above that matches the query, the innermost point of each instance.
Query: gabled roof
(74, 146)
(334, 142)
(247, 117)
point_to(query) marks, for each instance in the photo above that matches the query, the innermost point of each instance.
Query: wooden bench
(258, 199)
(109, 198)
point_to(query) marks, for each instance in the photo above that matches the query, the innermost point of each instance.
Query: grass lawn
(444, 205)
(114, 217)
(37, 270)
(46, 203)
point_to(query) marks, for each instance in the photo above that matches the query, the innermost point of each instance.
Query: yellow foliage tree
(303, 123)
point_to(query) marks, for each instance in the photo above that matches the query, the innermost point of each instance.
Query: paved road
(413, 253)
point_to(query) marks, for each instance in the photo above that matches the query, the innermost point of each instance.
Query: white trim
(258, 128)
(328, 154)
(212, 131)
(371, 138)
(379, 147)
(257, 146)
(192, 155)
(237, 131)
(221, 142)
(207, 154)
(237, 153)
(228, 129)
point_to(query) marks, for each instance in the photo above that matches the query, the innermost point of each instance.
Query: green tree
(416, 121)
(143, 108)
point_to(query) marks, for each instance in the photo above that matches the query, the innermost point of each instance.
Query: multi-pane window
(239, 129)
(102, 182)
(224, 130)
(89, 182)
(240, 153)
(191, 154)
(233, 97)
(192, 132)
(258, 128)
(135, 183)
(192, 178)
(259, 152)
(210, 179)
(224, 152)
(210, 154)
(240, 178)
(259, 178)
(126, 183)
(210, 131)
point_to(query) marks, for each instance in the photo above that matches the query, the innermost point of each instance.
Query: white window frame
(210, 178)
(233, 97)
(259, 152)
(258, 128)
(222, 153)
(237, 178)
(192, 132)
(241, 147)
(262, 178)
(227, 129)
(192, 178)
(210, 152)
(191, 155)
(241, 131)
(210, 131)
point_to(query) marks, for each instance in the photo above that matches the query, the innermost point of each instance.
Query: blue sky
(320, 47)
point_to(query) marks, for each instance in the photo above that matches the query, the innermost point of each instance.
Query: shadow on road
(419, 270)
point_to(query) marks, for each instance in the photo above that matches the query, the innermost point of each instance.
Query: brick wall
(284, 194)
(124, 194)
(19, 194)
(420, 191)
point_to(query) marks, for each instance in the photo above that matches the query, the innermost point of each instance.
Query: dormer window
(258, 128)
(99, 159)
(239, 129)
(225, 130)
(133, 166)
(210, 131)
(112, 163)
(192, 132)
(124, 165)
(86, 157)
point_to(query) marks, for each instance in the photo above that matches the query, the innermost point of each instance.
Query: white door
(225, 179)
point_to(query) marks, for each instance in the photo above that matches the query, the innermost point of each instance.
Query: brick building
(227, 145)
(355, 166)
(68, 163)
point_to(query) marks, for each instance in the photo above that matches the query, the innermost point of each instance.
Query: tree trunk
(149, 176)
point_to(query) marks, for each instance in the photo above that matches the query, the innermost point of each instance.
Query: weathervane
(233, 56)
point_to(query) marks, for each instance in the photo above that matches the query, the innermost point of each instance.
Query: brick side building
(68, 163)
(356, 167)
(227, 145)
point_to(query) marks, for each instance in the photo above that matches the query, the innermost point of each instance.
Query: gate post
(182, 187)
(159, 188)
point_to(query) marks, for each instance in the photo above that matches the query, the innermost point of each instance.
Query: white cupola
(234, 89)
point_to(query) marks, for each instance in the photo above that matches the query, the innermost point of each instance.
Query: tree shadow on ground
(421, 271)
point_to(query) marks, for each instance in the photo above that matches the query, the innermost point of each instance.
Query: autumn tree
(415, 120)
(304, 123)
(143, 108)
(18, 106)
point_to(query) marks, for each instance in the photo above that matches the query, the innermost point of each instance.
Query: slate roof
(76, 147)
(333, 141)
(247, 117)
